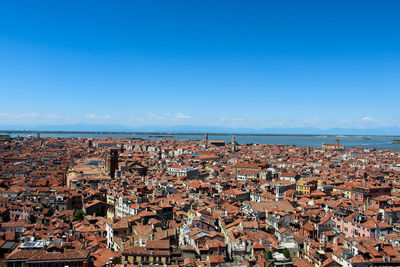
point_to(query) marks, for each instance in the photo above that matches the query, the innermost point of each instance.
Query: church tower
(112, 162)
(278, 192)
(159, 153)
(233, 143)
(206, 140)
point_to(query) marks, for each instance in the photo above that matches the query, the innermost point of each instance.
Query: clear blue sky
(227, 63)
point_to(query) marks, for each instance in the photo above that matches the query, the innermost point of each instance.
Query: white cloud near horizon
(91, 116)
(96, 116)
(26, 115)
(368, 119)
(181, 116)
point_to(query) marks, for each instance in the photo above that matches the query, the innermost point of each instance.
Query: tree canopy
(286, 253)
(79, 215)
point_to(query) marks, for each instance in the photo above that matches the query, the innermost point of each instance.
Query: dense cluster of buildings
(128, 202)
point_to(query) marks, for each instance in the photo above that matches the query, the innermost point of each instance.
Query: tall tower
(233, 143)
(278, 190)
(159, 153)
(112, 162)
(206, 140)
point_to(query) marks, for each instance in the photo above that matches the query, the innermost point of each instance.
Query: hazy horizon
(193, 129)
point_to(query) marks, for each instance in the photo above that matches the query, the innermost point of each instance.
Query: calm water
(378, 142)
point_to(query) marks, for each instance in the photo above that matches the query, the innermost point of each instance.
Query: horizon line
(187, 133)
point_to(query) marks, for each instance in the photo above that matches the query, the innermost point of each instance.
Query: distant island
(396, 142)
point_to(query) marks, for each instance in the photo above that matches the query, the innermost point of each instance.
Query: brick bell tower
(112, 162)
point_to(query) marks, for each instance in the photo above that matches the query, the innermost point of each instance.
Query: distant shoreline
(168, 134)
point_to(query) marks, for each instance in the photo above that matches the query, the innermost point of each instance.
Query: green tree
(286, 253)
(79, 215)
(269, 255)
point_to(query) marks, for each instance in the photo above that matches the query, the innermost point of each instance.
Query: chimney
(337, 141)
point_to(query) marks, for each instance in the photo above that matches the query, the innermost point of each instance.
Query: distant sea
(378, 142)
